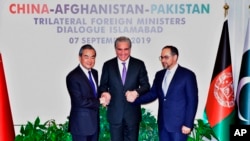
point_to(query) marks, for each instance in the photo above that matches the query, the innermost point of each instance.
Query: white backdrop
(37, 55)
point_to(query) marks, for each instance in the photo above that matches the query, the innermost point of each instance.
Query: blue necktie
(92, 84)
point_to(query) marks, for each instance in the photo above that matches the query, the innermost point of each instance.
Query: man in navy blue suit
(84, 113)
(177, 93)
(123, 117)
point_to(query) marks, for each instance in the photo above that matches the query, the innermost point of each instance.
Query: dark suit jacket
(179, 105)
(84, 113)
(136, 79)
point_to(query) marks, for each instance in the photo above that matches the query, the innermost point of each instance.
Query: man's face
(122, 50)
(167, 59)
(88, 58)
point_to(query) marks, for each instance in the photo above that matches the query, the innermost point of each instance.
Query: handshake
(106, 97)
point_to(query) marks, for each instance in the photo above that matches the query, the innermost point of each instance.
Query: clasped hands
(131, 96)
(106, 97)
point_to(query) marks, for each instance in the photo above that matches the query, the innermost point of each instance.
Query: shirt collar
(174, 68)
(84, 69)
(120, 61)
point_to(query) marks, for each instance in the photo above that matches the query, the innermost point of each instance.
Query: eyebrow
(88, 55)
(123, 48)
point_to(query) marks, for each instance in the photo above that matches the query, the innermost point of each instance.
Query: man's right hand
(105, 98)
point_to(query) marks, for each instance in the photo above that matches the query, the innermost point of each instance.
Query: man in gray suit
(123, 117)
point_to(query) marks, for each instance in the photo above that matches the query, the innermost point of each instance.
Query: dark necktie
(124, 72)
(92, 83)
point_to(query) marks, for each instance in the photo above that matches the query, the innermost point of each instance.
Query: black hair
(174, 50)
(86, 46)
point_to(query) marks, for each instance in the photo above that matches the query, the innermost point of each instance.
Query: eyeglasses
(164, 57)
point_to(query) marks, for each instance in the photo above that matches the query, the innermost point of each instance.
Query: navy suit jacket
(179, 106)
(136, 79)
(84, 113)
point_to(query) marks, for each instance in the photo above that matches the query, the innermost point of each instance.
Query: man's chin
(165, 67)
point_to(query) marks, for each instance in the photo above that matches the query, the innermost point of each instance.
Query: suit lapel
(116, 71)
(174, 80)
(95, 77)
(161, 78)
(85, 78)
(130, 69)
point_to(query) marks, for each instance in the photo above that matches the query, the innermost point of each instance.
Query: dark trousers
(124, 132)
(85, 138)
(171, 136)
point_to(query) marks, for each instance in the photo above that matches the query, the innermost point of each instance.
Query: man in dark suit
(177, 93)
(84, 113)
(123, 117)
